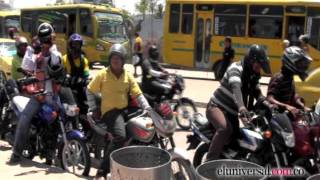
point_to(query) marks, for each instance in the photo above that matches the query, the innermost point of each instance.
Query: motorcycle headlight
(288, 139)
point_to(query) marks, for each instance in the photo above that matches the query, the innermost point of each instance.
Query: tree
(159, 12)
(142, 7)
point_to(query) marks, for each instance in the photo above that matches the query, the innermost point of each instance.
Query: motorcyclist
(153, 74)
(115, 85)
(77, 66)
(281, 89)
(21, 45)
(47, 67)
(235, 96)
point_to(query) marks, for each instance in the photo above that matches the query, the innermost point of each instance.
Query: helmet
(56, 72)
(304, 38)
(45, 31)
(153, 52)
(297, 61)
(75, 38)
(21, 41)
(118, 49)
(257, 53)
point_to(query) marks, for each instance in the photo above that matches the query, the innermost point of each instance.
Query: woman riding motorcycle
(235, 96)
(115, 85)
(77, 66)
(281, 89)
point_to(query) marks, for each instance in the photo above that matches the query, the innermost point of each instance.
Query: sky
(129, 5)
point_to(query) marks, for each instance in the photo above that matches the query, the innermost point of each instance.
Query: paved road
(198, 90)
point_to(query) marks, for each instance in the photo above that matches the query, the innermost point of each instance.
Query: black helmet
(56, 72)
(297, 61)
(45, 31)
(257, 53)
(153, 52)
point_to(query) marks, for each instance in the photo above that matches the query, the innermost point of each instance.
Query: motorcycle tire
(199, 154)
(186, 173)
(63, 156)
(182, 123)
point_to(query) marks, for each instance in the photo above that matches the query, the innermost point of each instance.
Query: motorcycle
(306, 128)
(183, 107)
(261, 142)
(144, 128)
(48, 130)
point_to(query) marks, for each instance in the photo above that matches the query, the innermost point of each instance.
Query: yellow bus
(9, 19)
(99, 25)
(194, 30)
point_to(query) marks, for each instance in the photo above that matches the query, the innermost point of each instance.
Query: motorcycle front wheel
(185, 111)
(182, 170)
(74, 157)
(200, 155)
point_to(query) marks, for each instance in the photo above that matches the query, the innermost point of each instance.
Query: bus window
(12, 21)
(187, 18)
(56, 18)
(26, 21)
(313, 26)
(86, 22)
(1, 28)
(266, 21)
(111, 27)
(230, 20)
(174, 18)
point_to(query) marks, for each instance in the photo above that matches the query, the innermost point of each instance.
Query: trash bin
(140, 163)
(230, 170)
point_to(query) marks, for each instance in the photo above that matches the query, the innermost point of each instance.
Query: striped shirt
(282, 88)
(223, 96)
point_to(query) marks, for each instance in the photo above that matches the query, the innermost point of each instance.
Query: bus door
(204, 21)
(295, 28)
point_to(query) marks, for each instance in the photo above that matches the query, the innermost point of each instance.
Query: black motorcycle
(183, 107)
(262, 142)
(48, 136)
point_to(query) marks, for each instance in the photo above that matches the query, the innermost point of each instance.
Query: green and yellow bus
(99, 25)
(194, 30)
(9, 19)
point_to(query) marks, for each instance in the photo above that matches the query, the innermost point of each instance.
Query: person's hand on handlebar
(244, 116)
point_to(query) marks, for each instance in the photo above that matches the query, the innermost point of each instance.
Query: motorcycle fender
(178, 153)
(75, 134)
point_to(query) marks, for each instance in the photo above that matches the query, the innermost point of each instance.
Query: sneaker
(14, 159)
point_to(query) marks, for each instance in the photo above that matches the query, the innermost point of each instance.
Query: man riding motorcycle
(21, 45)
(153, 74)
(235, 96)
(77, 66)
(281, 89)
(47, 67)
(115, 85)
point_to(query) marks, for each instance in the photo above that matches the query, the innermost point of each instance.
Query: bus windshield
(111, 27)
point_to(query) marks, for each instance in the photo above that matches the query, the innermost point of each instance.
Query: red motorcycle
(306, 152)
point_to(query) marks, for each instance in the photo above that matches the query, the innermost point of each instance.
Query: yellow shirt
(138, 40)
(67, 65)
(114, 91)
